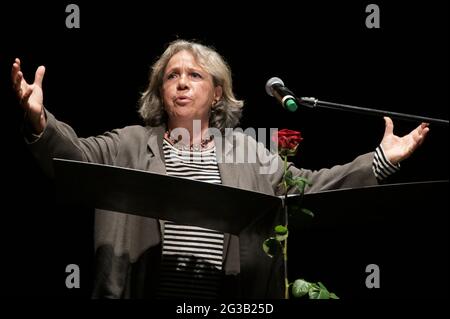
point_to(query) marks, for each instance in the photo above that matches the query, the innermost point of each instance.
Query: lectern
(401, 228)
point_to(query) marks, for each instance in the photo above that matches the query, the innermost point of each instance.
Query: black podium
(217, 207)
(401, 228)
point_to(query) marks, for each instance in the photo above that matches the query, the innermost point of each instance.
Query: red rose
(287, 141)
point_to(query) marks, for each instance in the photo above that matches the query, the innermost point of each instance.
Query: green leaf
(329, 295)
(333, 296)
(307, 212)
(301, 187)
(288, 174)
(302, 179)
(271, 246)
(290, 182)
(281, 232)
(288, 178)
(323, 294)
(315, 286)
(300, 183)
(300, 288)
(319, 291)
(313, 293)
(322, 286)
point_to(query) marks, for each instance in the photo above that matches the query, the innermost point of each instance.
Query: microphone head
(271, 82)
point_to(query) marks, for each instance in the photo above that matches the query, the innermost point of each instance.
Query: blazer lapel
(225, 159)
(154, 144)
(228, 174)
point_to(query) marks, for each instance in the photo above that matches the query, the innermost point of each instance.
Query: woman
(189, 93)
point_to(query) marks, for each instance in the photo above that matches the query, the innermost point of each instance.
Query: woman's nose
(182, 82)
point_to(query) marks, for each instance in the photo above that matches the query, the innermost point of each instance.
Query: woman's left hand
(398, 148)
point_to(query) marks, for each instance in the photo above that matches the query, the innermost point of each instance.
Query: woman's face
(188, 90)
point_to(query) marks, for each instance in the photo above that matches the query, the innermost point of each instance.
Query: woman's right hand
(30, 96)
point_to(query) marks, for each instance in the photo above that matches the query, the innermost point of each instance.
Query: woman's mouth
(182, 99)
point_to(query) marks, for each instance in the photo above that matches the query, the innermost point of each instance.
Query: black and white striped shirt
(192, 256)
(381, 166)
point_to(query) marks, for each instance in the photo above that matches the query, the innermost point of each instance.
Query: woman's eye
(171, 76)
(196, 75)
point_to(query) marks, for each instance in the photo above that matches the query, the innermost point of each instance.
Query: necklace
(176, 142)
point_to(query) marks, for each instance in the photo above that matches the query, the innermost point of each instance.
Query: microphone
(275, 87)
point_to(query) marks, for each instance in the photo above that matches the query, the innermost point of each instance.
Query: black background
(95, 74)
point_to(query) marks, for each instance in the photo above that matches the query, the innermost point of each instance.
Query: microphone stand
(312, 102)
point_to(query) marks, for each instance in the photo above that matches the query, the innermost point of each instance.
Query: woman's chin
(188, 116)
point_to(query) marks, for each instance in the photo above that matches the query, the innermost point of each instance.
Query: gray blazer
(128, 247)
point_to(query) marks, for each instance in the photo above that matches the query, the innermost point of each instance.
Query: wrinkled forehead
(186, 58)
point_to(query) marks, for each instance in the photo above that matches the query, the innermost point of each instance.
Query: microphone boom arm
(312, 102)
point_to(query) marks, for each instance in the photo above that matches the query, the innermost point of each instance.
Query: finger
(14, 76)
(16, 65)
(423, 126)
(423, 135)
(39, 76)
(21, 84)
(18, 83)
(19, 77)
(389, 126)
(26, 95)
(418, 136)
(15, 70)
(425, 132)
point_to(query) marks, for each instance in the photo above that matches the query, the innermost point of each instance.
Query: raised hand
(398, 148)
(30, 96)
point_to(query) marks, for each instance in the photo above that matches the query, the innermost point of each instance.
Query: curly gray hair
(227, 111)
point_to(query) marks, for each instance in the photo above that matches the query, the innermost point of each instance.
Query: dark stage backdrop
(95, 74)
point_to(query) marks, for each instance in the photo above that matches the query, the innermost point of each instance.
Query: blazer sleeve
(357, 173)
(59, 140)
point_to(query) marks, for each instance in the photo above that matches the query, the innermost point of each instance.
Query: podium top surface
(181, 200)
(402, 203)
(218, 207)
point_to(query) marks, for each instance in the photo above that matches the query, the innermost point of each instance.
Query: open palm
(30, 96)
(398, 148)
